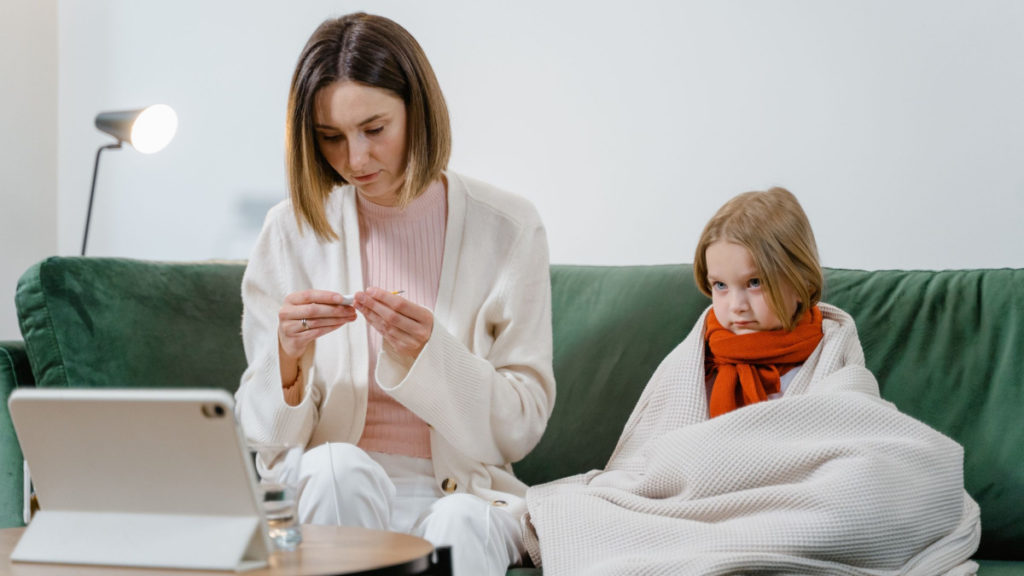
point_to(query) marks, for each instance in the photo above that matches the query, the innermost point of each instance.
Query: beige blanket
(828, 479)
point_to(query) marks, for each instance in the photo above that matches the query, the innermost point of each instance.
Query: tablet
(141, 477)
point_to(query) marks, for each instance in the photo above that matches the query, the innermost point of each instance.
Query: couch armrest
(14, 372)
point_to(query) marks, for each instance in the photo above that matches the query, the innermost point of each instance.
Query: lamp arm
(92, 190)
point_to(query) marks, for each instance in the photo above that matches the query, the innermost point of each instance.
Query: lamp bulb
(154, 128)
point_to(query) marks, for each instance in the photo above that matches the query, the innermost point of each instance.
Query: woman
(413, 397)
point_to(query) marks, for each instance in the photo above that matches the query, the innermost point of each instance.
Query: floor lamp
(148, 130)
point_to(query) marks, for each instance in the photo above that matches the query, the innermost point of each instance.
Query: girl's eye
(754, 283)
(718, 286)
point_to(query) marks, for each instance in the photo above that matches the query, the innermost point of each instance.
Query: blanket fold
(828, 479)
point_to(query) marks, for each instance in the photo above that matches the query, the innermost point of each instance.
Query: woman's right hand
(306, 316)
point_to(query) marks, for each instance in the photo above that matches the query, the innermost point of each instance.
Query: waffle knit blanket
(829, 479)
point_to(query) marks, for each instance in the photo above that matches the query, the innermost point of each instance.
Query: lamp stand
(92, 190)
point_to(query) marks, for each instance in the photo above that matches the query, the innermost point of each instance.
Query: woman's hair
(373, 51)
(773, 227)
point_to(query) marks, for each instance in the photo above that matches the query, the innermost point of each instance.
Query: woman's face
(361, 132)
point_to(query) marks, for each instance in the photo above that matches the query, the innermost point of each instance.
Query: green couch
(947, 347)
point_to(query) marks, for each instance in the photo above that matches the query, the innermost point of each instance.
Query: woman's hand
(405, 326)
(306, 316)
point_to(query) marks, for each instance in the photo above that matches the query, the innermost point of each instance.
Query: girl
(411, 406)
(758, 262)
(761, 442)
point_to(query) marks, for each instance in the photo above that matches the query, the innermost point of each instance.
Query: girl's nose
(739, 301)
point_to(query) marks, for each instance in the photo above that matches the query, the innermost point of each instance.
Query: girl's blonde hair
(773, 227)
(373, 51)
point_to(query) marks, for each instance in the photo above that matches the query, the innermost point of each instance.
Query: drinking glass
(278, 468)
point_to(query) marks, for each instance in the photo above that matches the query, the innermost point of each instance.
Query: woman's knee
(484, 538)
(340, 461)
(341, 484)
(453, 517)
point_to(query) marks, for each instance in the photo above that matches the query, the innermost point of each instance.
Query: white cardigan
(483, 382)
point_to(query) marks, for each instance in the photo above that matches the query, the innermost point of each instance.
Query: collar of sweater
(421, 207)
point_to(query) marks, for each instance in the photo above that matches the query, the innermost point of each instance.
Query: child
(758, 262)
(761, 442)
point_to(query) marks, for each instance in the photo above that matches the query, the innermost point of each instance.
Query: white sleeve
(259, 401)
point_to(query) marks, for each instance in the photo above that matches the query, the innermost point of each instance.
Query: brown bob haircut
(773, 227)
(373, 51)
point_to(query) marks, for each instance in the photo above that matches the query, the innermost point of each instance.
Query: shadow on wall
(246, 220)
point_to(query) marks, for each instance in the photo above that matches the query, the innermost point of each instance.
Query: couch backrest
(110, 322)
(612, 327)
(947, 348)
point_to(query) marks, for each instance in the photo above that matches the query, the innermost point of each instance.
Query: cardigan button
(499, 503)
(449, 485)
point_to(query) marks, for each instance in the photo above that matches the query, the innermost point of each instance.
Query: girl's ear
(799, 310)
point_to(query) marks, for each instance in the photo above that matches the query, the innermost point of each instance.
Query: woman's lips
(366, 178)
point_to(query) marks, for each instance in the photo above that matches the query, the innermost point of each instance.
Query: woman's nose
(358, 153)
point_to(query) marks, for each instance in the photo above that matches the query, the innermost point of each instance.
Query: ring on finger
(305, 325)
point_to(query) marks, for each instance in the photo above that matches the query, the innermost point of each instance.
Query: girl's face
(738, 296)
(361, 133)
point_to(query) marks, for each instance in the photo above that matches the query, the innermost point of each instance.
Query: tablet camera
(214, 411)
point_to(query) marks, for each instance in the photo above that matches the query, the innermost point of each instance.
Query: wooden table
(325, 550)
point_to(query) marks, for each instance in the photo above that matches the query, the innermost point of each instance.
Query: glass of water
(278, 468)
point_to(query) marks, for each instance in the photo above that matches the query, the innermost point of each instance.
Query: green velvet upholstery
(100, 322)
(997, 568)
(14, 372)
(947, 347)
(612, 327)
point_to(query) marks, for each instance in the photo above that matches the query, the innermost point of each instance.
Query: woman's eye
(330, 137)
(375, 131)
(754, 283)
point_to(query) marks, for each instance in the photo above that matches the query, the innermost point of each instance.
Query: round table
(325, 550)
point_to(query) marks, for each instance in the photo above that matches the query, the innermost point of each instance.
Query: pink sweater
(401, 250)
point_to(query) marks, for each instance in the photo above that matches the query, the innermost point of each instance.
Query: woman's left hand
(404, 326)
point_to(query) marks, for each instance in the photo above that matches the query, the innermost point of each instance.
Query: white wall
(28, 144)
(897, 123)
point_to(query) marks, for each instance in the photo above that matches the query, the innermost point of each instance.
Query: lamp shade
(148, 130)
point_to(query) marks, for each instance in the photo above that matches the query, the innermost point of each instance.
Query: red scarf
(749, 365)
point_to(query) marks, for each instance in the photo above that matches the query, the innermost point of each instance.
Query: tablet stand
(151, 540)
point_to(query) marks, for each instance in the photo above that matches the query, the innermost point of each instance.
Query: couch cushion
(1000, 568)
(110, 322)
(612, 327)
(947, 347)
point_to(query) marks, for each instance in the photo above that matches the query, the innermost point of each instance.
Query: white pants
(343, 485)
